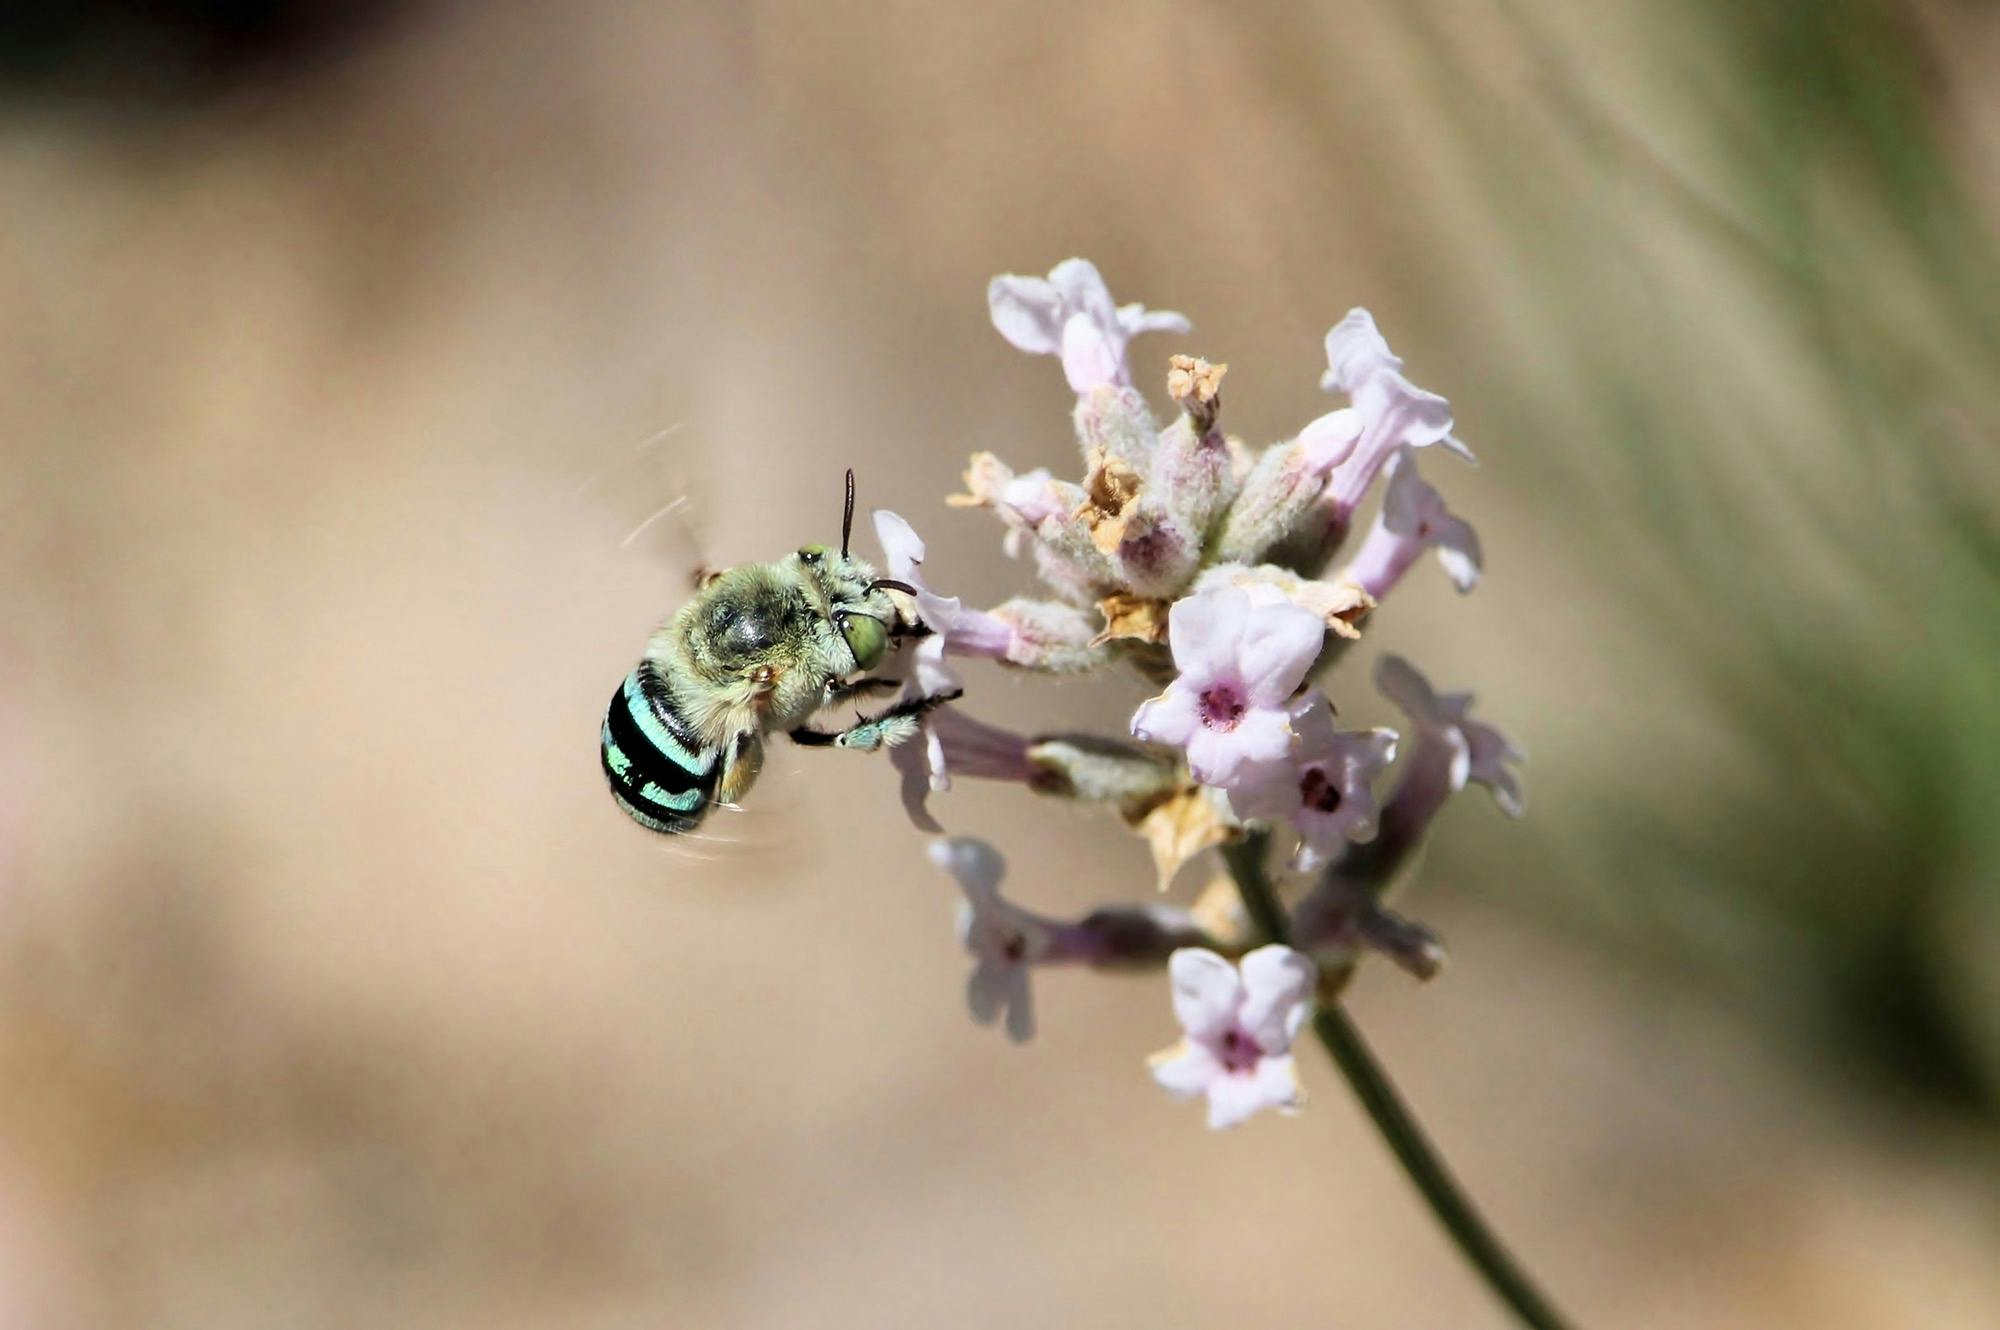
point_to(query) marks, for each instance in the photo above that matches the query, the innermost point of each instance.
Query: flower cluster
(1203, 564)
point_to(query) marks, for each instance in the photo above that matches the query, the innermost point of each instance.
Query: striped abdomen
(658, 769)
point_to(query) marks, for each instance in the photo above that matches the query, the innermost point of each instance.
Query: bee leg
(739, 768)
(840, 692)
(898, 724)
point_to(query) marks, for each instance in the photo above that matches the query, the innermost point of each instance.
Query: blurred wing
(655, 492)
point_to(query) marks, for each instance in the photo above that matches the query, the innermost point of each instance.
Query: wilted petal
(1206, 992)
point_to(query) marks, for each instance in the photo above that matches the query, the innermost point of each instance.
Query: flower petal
(1312, 722)
(1327, 441)
(1090, 359)
(1239, 1096)
(1206, 992)
(1204, 632)
(1028, 313)
(976, 865)
(1171, 718)
(1355, 351)
(1458, 550)
(1488, 755)
(1407, 500)
(1261, 740)
(1083, 291)
(1277, 990)
(911, 762)
(902, 547)
(1278, 645)
(1185, 1070)
(986, 993)
(1401, 683)
(1136, 318)
(1019, 998)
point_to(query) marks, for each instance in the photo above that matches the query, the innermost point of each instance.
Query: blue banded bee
(760, 648)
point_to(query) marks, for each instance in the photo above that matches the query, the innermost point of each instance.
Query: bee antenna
(847, 514)
(893, 585)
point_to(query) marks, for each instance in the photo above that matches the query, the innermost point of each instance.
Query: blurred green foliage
(1784, 330)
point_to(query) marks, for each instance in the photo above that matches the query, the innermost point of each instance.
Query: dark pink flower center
(1221, 706)
(1317, 792)
(1238, 1051)
(1014, 948)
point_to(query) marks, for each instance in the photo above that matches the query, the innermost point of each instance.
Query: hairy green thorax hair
(760, 645)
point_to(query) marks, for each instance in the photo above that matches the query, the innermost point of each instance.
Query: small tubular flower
(1022, 501)
(1395, 413)
(1239, 663)
(1005, 941)
(1452, 748)
(1070, 314)
(1413, 519)
(1324, 788)
(955, 630)
(1239, 1025)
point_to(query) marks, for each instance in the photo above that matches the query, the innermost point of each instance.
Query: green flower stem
(1392, 1117)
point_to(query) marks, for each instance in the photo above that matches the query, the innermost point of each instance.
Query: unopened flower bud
(1278, 495)
(1057, 638)
(1112, 420)
(1194, 470)
(1157, 554)
(1100, 770)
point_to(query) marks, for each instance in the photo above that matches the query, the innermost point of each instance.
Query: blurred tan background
(343, 348)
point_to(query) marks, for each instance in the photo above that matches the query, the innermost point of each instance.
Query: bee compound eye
(865, 637)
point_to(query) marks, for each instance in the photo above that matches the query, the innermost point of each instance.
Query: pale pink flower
(1413, 519)
(1005, 941)
(1240, 1025)
(956, 744)
(1452, 748)
(1070, 314)
(954, 629)
(1395, 413)
(1240, 662)
(1324, 788)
